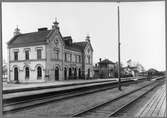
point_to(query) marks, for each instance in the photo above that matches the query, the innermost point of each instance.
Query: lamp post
(119, 70)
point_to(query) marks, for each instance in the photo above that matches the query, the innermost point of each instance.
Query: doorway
(57, 73)
(16, 78)
(65, 73)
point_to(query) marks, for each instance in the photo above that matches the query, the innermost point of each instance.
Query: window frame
(39, 77)
(27, 55)
(70, 57)
(16, 52)
(65, 57)
(39, 55)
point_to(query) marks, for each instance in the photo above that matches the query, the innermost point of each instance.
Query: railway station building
(45, 55)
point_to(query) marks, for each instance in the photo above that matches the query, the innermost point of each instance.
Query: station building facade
(46, 55)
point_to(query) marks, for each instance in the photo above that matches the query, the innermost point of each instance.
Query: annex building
(46, 55)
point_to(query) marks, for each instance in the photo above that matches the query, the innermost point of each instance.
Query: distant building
(104, 69)
(46, 55)
(130, 71)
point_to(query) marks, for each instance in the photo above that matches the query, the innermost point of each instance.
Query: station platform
(156, 106)
(56, 84)
(12, 86)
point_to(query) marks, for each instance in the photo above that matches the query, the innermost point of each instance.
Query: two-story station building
(46, 55)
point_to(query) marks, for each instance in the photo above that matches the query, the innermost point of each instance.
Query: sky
(142, 27)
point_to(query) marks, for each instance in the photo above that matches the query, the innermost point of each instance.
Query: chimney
(42, 29)
(68, 40)
(100, 59)
(16, 31)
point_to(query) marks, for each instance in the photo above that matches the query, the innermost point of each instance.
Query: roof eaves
(26, 44)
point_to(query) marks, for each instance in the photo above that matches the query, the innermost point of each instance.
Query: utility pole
(1, 63)
(119, 70)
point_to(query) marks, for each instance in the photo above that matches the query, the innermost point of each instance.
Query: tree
(135, 67)
(140, 68)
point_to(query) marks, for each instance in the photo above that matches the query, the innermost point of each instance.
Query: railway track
(18, 104)
(27, 102)
(111, 108)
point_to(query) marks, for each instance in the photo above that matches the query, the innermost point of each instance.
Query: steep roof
(152, 70)
(40, 37)
(106, 61)
(80, 44)
(29, 38)
(75, 46)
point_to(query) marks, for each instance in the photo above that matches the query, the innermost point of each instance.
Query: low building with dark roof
(46, 55)
(104, 69)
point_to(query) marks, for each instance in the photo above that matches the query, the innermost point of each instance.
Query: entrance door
(65, 73)
(79, 73)
(16, 74)
(57, 73)
(75, 73)
(70, 73)
(88, 73)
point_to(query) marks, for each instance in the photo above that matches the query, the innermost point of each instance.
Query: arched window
(27, 72)
(39, 72)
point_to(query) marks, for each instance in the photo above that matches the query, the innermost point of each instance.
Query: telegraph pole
(119, 70)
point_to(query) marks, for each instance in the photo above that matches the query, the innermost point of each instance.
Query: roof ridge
(33, 32)
(80, 42)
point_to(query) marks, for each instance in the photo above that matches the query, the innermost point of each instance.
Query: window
(27, 54)
(39, 53)
(57, 54)
(27, 72)
(79, 59)
(70, 57)
(76, 58)
(88, 59)
(65, 56)
(15, 56)
(39, 73)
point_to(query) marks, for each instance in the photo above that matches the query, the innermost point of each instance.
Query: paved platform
(12, 86)
(43, 85)
(156, 106)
